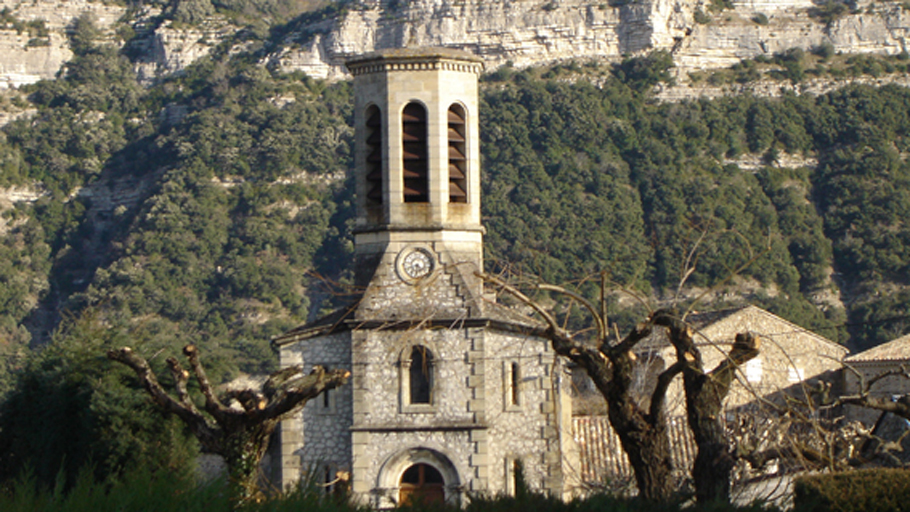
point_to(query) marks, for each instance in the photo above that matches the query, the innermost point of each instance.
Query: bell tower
(417, 178)
(450, 393)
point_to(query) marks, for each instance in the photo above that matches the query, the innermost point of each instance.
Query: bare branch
(212, 405)
(640, 332)
(601, 328)
(727, 279)
(745, 347)
(181, 377)
(901, 407)
(688, 267)
(195, 420)
(300, 389)
(241, 436)
(659, 396)
(511, 290)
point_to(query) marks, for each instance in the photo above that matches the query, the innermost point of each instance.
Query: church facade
(450, 393)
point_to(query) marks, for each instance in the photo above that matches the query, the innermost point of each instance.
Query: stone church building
(450, 393)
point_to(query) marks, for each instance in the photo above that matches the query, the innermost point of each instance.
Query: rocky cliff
(525, 32)
(33, 36)
(534, 31)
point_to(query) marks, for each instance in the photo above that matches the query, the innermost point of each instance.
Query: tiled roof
(602, 458)
(894, 350)
(343, 318)
(702, 320)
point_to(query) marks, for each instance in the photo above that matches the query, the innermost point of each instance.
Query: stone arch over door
(418, 463)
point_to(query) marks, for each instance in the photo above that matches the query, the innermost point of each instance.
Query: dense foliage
(201, 209)
(74, 411)
(868, 490)
(142, 491)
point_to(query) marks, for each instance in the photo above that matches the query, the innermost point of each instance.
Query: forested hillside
(214, 207)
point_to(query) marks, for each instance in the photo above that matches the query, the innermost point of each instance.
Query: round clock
(417, 263)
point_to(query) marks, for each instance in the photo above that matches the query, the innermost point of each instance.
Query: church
(451, 394)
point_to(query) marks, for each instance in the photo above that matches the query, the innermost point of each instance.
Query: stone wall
(530, 430)
(369, 427)
(789, 357)
(317, 437)
(885, 388)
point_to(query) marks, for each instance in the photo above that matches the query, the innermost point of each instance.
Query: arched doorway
(419, 470)
(421, 483)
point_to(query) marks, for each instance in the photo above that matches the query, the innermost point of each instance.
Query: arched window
(374, 156)
(421, 484)
(415, 154)
(458, 170)
(421, 376)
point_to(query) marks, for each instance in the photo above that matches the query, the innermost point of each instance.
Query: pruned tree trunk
(239, 434)
(705, 393)
(642, 430)
(642, 433)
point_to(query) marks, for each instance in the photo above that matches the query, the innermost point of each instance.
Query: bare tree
(239, 434)
(807, 431)
(705, 393)
(864, 398)
(642, 424)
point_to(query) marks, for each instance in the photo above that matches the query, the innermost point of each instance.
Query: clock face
(417, 263)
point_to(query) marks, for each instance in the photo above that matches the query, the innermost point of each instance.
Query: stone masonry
(444, 380)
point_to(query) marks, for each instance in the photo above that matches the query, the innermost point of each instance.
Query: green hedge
(870, 490)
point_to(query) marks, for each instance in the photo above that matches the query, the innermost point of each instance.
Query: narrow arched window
(374, 156)
(415, 153)
(514, 380)
(458, 170)
(421, 375)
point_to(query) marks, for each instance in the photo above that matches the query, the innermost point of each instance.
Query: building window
(420, 376)
(458, 173)
(374, 156)
(328, 479)
(753, 370)
(515, 480)
(414, 153)
(325, 402)
(511, 384)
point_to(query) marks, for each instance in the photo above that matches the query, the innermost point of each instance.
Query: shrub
(701, 18)
(720, 5)
(760, 18)
(870, 490)
(642, 73)
(824, 50)
(828, 12)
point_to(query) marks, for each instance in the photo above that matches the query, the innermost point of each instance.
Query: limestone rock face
(523, 32)
(26, 59)
(733, 35)
(536, 31)
(166, 49)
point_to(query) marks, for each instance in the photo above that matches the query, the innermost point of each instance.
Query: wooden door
(421, 483)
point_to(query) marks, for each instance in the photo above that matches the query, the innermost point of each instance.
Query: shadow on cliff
(106, 209)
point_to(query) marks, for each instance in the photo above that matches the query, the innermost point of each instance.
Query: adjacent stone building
(790, 356)
(450, 393)
(861, 368)
(792, 361)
